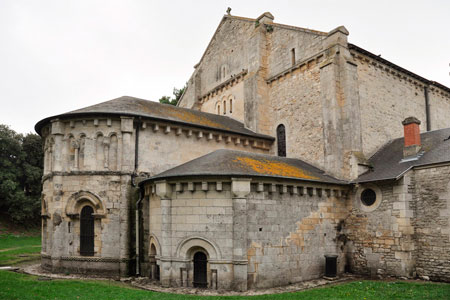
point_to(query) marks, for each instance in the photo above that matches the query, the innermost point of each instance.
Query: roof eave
(39, 125)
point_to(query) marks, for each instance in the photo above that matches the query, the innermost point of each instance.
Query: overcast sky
(57, 56)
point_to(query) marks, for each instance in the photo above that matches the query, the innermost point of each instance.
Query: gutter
(133, 184)
(138, 265)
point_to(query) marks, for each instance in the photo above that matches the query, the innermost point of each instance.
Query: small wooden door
(200, 266)
(87, 231)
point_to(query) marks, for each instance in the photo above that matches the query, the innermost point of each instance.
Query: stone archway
(199, 254)
(78, 200)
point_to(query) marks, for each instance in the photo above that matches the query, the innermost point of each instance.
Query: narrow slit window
(224, 107)
(281, 140)
(231, 106)
(218, 109)
(293, 56)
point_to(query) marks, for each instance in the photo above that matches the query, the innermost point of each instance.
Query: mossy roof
(244, 164)
(130, 106)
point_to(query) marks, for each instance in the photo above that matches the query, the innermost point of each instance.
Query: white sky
(56, 56)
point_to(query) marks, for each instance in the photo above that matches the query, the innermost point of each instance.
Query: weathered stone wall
(284, 39)
(295, 102)
(432, 222)
(159, 147)
(233, 96)
(286, 228)
(198, 216)
(290, 229)
(388, 97)
(62, 228)
(229, 51)
(381, 236)
(87, 163)
(439, 108)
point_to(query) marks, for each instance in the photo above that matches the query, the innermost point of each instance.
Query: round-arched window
(368, 197)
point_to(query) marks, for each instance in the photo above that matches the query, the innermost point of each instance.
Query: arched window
(218, 109)
(231, 106)
(87, 231)
(224, 107)
(281, 140)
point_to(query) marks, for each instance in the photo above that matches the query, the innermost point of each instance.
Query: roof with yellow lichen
(239, 164)
(130, 106)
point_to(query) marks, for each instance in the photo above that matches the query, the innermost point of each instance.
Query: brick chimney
(412, 137)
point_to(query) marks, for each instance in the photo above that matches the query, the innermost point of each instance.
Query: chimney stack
(412, 137)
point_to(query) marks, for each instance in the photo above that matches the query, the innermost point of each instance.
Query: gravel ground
(145, 283)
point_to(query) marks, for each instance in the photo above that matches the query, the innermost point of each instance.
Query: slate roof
(130, 106)
(387, 161)
(398, 68)
(245, 164)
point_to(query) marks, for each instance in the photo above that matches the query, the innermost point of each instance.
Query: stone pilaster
(163, 190)
(340, 104)
(57, 131)
(240, 188)
(127, 152)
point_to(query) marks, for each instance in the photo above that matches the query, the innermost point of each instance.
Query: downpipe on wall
(133, 184)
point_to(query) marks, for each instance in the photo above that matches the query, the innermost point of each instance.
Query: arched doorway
(200, 267)
(87, 231)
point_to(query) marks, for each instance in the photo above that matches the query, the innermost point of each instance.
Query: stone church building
(288, 144)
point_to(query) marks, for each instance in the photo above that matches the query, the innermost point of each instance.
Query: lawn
(20, 286)
(16, 249)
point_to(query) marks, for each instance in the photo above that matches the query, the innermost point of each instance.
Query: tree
(21, 162)
(177, 93)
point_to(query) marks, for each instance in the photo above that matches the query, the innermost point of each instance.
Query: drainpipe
(133, 184)
(136, 153)
(427, 107)
(138, 267)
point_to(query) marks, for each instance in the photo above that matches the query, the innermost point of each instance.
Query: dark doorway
(87, 231)
(153, 266)
(200, 262)
(281, 140)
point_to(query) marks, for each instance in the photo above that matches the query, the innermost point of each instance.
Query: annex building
(287, 145)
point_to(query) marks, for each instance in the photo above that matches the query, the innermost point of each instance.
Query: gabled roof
(387, 162)
(244, 19)
(130, 106)
(245, 164)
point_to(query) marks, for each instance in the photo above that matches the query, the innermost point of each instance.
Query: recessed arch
(153, 240)
(188, 247)
(78, 200)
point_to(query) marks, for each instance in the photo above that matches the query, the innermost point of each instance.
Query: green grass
(18, 249)
(23, 287)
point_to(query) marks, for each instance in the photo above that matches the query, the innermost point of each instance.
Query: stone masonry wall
(387, 97)
(159, 147)
(439, 108)
(433, 222)
(381, 238)
(295, 101)
(283, 40)
(235, 93)
(290, 229)
(227, 54)
(198, 212)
